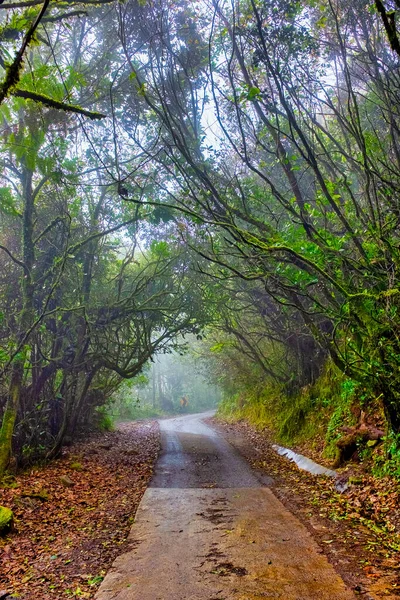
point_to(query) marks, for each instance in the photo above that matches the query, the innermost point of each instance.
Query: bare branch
(14, 259)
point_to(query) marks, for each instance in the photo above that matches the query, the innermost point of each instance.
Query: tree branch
(389, 23)
(28, 3)
(14, 259)
(73, 13)
(51, 103)
(13, 71)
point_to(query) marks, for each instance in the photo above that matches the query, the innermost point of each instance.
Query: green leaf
(4, 356)
(218, 347)
(160, 249)
(253, 93)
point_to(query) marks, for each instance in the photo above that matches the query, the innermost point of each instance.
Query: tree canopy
(170, 166)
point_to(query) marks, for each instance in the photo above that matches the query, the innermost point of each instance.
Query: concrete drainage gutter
(304, 463)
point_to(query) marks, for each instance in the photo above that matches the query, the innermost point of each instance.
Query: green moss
(256, 407)
(76, 466)
(6, 433)
(314, 414)
(294, 419)
(6, 518)
(340, 414)
(355, 480)
(386, 457)
(52, 103)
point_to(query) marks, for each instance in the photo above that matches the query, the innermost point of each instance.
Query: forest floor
(358, 529)
(72, 516)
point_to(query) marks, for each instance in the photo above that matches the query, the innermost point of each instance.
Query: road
(208, 528)
(195, 456)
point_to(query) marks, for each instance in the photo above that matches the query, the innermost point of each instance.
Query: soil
(72, 517)
(358, 529)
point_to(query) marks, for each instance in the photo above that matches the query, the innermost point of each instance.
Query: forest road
(208, 528)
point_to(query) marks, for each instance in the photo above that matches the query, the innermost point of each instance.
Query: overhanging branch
(28, 3)
(51, 103)
(13, 71)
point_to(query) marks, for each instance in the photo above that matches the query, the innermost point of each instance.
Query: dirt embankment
(72, 517)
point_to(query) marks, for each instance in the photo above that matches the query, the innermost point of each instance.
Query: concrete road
(209, 529)
(195, 456)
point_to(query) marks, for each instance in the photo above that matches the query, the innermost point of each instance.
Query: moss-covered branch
(28, 3)
(389, 22)
(255, 242)
(68, 15)
(51, 103)
(13, 71)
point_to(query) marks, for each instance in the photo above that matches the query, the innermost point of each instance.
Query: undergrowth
(315, 414)
(103, 420)
(317, 417)
(139, 411)
(386, 462)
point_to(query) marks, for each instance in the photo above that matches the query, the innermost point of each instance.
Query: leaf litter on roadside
(70, 522)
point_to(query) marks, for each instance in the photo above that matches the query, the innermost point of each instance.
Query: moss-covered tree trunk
(9, 419)
(390, 398)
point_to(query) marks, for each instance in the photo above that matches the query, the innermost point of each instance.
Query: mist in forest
(171, 384)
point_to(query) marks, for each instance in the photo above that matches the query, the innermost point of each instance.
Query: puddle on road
(304, 463)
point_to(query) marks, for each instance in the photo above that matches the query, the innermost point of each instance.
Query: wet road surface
(209, 529)
(196, 456)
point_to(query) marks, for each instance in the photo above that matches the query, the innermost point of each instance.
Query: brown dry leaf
(71, 539)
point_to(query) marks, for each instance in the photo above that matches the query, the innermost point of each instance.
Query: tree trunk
(9, 418)
(391, 407)
(153, 381)
(26, 319)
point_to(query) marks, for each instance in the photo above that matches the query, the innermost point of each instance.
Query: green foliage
(340, 408)
(6, 518)
(387, 461)
(255, 408)
(295, 419)
(160, 248)
(104, 420)
(7, 202)
(314, 413)
(259, 405)
(293, 215)
(299, 218)
(253, 93)
(125, 405)
(292, 418)
(95, 580)
(137, 411)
